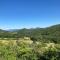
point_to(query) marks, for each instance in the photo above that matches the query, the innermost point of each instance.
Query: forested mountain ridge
(51, 33)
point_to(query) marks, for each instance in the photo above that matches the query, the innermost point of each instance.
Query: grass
(10, 48)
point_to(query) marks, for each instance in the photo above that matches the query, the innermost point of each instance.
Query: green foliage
(33, 51)
(49, 34)
(45, 45)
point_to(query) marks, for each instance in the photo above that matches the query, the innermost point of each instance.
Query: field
(25, 49)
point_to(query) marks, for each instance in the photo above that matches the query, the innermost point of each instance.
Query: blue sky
(29, 13)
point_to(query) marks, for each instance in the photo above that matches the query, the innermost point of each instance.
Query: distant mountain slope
(53, 30)
(12, 30)
(51, 33)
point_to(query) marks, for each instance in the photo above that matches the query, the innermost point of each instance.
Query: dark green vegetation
(30, 44)
(49, 34)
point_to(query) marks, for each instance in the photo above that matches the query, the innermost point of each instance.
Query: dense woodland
(49, 34)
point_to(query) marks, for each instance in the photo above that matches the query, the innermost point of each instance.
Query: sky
(17, 14)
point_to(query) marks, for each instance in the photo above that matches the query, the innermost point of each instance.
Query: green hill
(48, 34)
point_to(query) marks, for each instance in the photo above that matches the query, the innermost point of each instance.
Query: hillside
(30, 44)
(49, 34)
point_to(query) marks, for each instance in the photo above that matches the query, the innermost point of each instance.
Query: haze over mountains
(53, 27)
(12, 30)
(51, 33)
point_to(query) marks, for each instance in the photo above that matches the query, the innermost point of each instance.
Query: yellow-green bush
(16, 50)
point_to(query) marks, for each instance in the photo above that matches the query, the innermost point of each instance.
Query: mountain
(48, 34)
(12, 30)
(52, 30)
